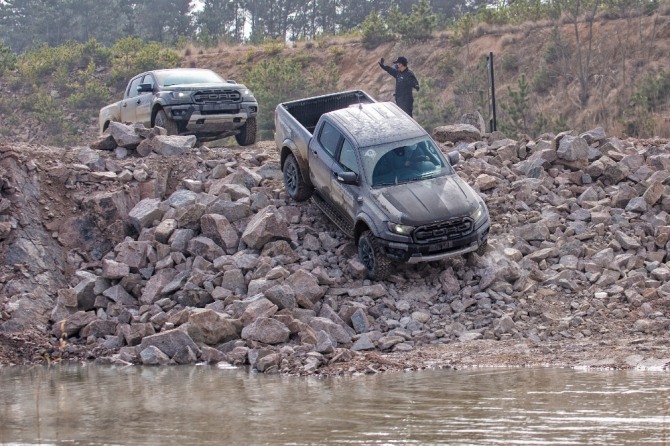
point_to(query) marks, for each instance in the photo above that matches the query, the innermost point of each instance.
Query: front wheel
(247, 135)
(373, 257)
(294, 183)
(168, 124)
(482, 249)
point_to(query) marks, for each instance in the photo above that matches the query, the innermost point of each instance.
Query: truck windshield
(187, 76)
(396, 164)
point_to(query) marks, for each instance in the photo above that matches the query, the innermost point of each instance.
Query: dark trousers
(407, 105)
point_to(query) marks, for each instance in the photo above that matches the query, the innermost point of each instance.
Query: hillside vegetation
(577, 72)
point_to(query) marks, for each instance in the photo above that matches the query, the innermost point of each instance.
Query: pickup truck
(187, 101)
(381, 178)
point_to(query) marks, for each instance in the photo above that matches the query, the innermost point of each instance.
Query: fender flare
(289, 147)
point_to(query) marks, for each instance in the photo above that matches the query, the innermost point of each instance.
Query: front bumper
(428, 252)
(211, 118)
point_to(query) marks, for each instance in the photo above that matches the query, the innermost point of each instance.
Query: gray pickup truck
(380, 177)
(187, 101)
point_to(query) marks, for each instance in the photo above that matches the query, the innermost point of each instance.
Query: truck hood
(205, 86)
(427, 201)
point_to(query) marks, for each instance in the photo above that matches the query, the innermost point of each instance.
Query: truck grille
(217, 97)
(446, 230)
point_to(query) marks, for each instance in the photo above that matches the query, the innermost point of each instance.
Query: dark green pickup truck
(381, 178)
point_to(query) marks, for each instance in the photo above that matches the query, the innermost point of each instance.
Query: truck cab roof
(376, 123)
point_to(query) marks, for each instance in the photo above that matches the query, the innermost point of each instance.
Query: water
(95, 405)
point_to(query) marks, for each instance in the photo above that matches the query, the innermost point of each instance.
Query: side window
(329, 138)
(132, 88)
(348, 157)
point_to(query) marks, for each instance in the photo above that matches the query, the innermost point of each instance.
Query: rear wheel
(372, 256)
(247, 135)
(295, 185)
(168, 124)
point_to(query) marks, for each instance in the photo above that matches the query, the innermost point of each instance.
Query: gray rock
(152, 355)
(456, 133)
(267, 225)
(306, 288)
(71, 325)
(124, 135)
(170, 342)
(268, 331)
(282, 296)
(335, 331)
(209, 327)
(145, 213)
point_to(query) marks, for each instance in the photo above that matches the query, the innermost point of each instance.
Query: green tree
(517, 109)
(163, 21)
(374, 31)
(420, 24)
(7, 58)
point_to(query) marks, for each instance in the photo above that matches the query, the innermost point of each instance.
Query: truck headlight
(400, 229)
(179, 95)
(478, 213)
(247, 95)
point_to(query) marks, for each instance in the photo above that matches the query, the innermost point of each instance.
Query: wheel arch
(289, 149)
(360, 227)
(154, 111)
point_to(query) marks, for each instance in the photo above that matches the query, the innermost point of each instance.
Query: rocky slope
(147, 249)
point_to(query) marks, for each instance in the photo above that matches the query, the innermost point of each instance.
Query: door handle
(138, 102)
(125, 105)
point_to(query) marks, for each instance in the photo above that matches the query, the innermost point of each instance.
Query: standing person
(405, 81)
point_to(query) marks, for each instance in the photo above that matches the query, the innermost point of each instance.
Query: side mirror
(145, 88)
(453, 158)
(348, 177)
(231, 81)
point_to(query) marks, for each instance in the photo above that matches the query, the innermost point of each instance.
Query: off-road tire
(247, 135)
(295, 185)
(373, 257)
(482, 249)
(162, 120)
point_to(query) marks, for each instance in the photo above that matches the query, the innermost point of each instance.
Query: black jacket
(405, 81)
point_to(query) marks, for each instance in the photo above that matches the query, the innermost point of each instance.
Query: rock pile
(226, 268)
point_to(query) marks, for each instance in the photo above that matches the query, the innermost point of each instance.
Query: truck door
(143, 108)
(344, 195)
(322, 150)
(129, 104)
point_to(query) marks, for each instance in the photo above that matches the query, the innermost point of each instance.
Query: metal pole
(494, 124)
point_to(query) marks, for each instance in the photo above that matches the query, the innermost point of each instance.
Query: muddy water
(94, 405)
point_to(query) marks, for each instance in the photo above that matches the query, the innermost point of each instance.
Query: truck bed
(308, 111)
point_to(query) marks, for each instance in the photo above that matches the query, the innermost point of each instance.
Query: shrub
(653, 91)
(374, 31)
(510, 62)
(7, 59)
(557, 50)
(429, 110)
(470, 88)
(449, 64)
(336, 52)
(543, 80)
(517, 109)
(89, 92)
(273, 47)
(50, 115)
(132, 56)
(419, 25)
(278, 80)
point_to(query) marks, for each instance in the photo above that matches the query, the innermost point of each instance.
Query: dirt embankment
(201, 257)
